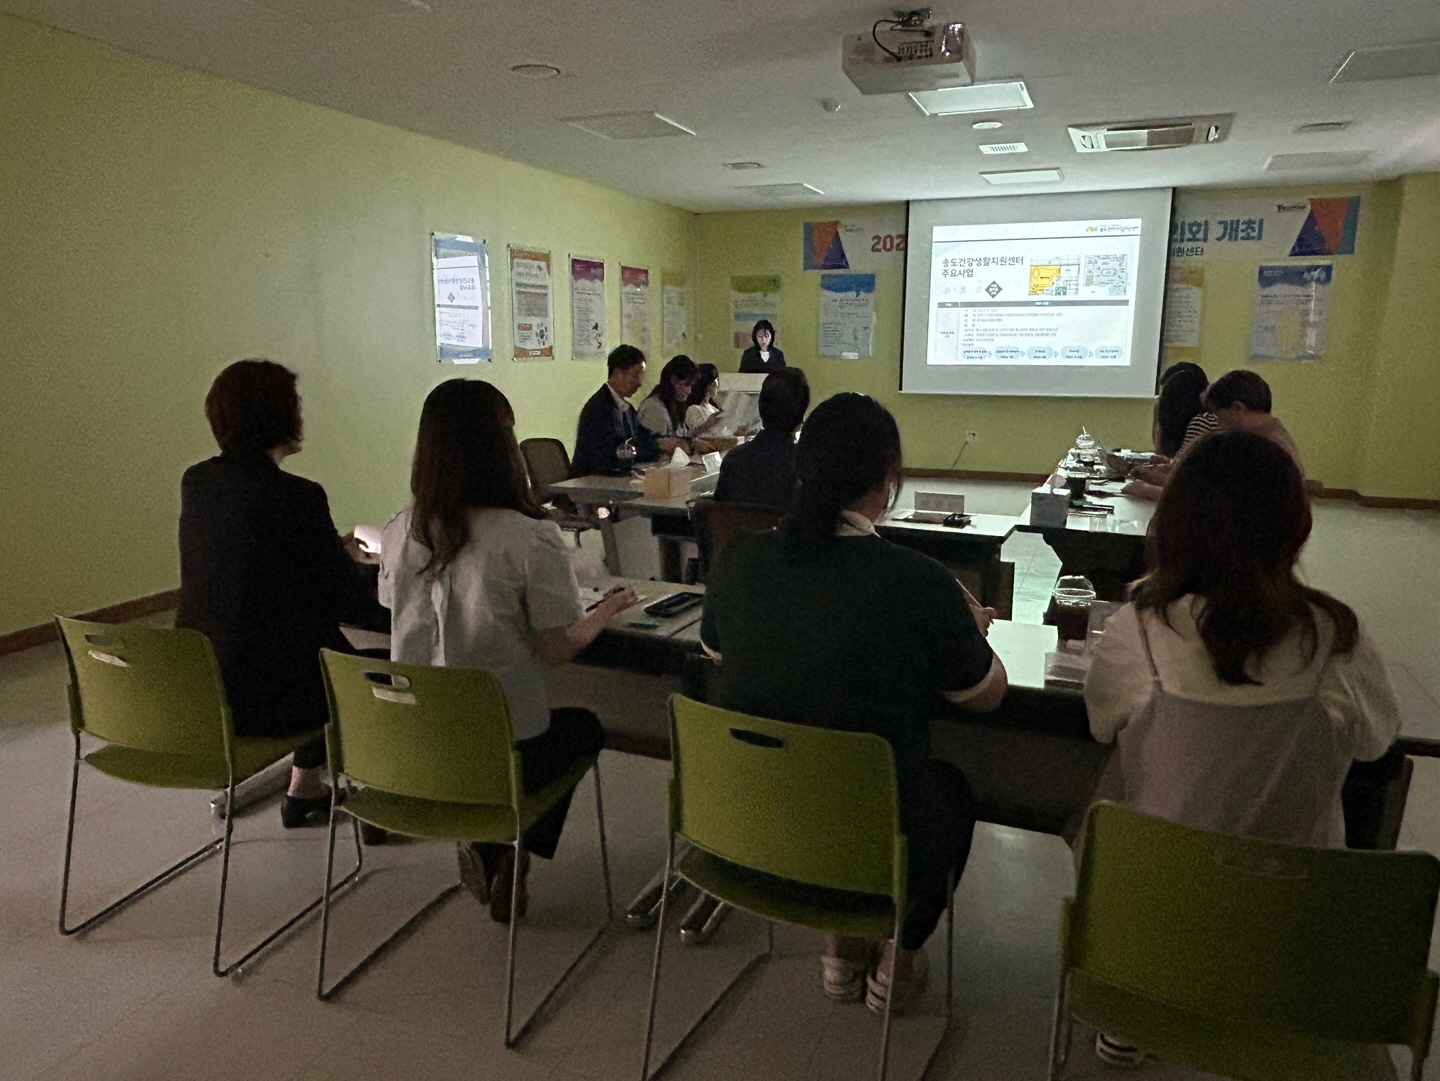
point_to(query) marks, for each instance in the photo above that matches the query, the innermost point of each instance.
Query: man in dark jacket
(761, 472)
(607, 420)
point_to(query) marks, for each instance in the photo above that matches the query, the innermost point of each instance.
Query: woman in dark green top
(822, 622)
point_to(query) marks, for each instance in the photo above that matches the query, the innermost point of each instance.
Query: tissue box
(1048, 507)
(665, 482)
(940, 501)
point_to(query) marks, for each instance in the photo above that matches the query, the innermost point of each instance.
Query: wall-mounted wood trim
(29, 637)
(1394, 503)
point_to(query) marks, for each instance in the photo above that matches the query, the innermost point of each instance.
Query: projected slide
(1033, 293)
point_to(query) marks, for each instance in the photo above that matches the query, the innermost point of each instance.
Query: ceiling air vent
(1003, 148)
(1149, 134)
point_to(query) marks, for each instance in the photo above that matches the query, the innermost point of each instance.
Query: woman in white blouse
(475, 576)
(1236, 695)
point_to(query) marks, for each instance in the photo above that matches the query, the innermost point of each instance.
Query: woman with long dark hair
(1181, 418)
(263, 572)
(762, 355)
(1237, 695)
(700, 407)
(824, 623)
(475, 576)
(662, 413)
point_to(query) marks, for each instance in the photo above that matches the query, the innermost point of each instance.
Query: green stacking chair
(1249, 959)
(153, 697)
(428, 753)
(794, 824)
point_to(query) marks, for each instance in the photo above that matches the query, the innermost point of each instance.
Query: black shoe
(504, 882)
(373, 835)
(472, 872)
(297, 811)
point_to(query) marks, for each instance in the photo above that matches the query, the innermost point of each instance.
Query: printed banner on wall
(460, 271)
(1292, 302)
(1260, 228)
(532, 308)
(860, 243)
(635, 307)
(675, 333)
(753, 297)
(1184, 305)
(847, 315)
(587, 307)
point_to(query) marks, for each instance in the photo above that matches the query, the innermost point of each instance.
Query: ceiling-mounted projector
(908, 53)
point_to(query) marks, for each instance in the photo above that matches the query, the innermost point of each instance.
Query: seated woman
(1180, 419)
(761, 472)
(701, 412)
(824, 623)
(662, 413)
(263, 573)
(475, 576)
(1237, 696)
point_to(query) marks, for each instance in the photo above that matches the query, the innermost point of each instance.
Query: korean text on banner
(1256, 227)
(847, 315)
(460, 272)
(587, 307)
(532, 306)
(635, 307)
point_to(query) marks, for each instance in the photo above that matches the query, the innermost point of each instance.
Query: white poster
(635, 307)
(532, 309)
(674, 314)
(753, 297)
(460, 273)
(587, 307)
(1292, 303)
(1184, 305)
(847, 315)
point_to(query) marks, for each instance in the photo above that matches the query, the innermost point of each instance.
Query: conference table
(1109, 549)
(972, 551)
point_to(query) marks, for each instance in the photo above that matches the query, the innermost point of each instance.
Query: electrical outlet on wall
(972, 436)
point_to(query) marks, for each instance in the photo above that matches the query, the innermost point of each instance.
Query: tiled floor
(135, 998)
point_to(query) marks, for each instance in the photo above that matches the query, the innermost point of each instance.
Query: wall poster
(847, 315)
(587, 307)
(1292, 303)
(532, 307)
(460, 272)
(635, 307)
(754, 297)
(675, 332)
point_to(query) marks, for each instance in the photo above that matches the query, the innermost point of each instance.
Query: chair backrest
(716, 523)
(431, 733)
(1312, 940)
(151, 688)
(547, 462)
(808, 804)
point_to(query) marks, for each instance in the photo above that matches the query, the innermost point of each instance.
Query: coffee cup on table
(1072, 598)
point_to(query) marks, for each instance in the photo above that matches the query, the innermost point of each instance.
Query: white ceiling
(749, 75)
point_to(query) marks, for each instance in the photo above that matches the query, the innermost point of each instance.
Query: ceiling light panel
(781, 191)
(1285, 163)
(628, 125)
(1023, 176)
(1389, 62)
(977, 98)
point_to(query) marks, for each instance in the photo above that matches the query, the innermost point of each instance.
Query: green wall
(157, 224)
(1382, 341)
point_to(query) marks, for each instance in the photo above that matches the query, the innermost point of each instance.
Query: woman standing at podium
(762, 355)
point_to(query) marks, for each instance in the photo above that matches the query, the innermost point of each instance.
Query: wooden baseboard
(1031, 479)
(29, 637)
(1394, 503)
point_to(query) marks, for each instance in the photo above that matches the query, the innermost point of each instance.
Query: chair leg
(512, 1039)
(323, 993)
(890, 999)
(111, 909)
(323, 899)
(1060, 1025)
(758, 959)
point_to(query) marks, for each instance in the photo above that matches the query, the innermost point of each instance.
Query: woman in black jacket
(263, 573)
(762, 356)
